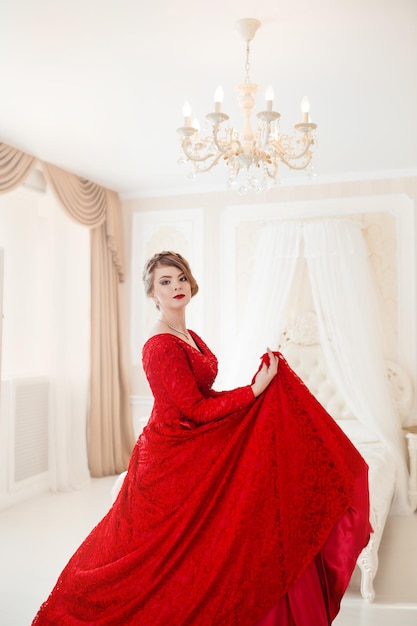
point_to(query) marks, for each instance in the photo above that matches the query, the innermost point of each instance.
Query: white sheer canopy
(346, 302)
(262, 323)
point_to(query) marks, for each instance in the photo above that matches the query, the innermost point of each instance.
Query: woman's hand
(265, 374)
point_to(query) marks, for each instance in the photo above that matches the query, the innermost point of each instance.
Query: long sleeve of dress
(173, 369)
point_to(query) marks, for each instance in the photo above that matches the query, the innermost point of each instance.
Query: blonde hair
(166, 258)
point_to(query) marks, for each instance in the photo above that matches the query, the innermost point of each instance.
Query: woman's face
(171, 289)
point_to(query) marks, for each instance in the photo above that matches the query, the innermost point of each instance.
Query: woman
(239, 508)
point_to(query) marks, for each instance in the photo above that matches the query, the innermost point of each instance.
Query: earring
(157, 305)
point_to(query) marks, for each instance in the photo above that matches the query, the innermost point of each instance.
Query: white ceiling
(97, 86)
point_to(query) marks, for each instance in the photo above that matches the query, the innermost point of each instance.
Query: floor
(38, 537)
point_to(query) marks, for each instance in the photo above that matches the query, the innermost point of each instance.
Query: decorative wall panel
(152, 232)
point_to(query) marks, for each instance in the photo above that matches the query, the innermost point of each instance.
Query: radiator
(25, 408)
(31, 413)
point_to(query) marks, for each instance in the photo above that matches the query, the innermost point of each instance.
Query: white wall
(25, 238)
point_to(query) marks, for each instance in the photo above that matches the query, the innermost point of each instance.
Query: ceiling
(97, 86)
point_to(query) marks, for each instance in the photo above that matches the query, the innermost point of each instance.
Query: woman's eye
(183, 279)
(164, 282)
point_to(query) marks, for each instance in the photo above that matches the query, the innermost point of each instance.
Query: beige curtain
(110, 431)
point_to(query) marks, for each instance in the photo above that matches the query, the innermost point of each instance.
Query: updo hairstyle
(166, 258)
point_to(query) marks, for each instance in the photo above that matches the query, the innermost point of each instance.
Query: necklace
(181, 332)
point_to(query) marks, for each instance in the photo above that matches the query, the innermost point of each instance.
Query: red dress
(235, 511)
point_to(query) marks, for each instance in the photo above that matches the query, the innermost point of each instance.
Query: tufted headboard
(309, 363)
(301, 347)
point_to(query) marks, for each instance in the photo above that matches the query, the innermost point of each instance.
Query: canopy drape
(348, 310)
(110, 430)
(351, 334)
(276, 260)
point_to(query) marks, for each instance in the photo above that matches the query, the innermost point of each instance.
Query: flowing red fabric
(232, 510)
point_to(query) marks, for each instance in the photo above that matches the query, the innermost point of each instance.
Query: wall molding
(153, 231)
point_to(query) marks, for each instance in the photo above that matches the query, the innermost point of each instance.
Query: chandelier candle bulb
(269, 97)
(218, 99)
(186, 111)
(305, 110)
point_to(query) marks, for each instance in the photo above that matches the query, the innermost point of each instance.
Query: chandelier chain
(247, 64)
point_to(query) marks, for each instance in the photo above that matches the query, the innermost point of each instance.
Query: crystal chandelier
(252, 157)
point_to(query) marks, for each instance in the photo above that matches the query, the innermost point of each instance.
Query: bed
(301, 348)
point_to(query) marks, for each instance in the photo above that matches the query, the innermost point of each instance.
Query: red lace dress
(235, 511)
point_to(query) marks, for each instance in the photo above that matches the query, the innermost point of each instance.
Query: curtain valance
(84, 201)
(15, 166)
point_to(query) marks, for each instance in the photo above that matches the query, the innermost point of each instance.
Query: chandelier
(252, 157)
